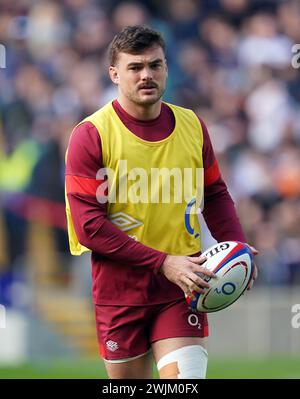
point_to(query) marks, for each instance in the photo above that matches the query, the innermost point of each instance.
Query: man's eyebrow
(157, 60)
(137, 63)
(134, 63)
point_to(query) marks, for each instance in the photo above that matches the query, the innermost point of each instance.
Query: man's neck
(141, 112)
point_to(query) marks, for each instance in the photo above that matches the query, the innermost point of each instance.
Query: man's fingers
(255, 272)
(254, 277)
(253, 250)
(199, 260)
(207, 272)
(187, 291)
(198, 280)
(192, 285)
(196, 262)
(190, 295)
(202, 271)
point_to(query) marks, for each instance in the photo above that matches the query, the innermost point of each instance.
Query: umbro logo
(123, 221)
(112, 345)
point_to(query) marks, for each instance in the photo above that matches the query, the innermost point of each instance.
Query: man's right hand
(181, 270)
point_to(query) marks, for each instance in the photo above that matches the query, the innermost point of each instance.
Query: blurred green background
(275, 367)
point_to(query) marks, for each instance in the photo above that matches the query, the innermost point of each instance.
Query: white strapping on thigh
(191, 361)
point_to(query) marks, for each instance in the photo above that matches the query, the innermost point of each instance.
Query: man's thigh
(165, 346)
(140, 368)
(123, 337)
(122, 331)
(182, 357)
(179, 340)
(175, 319)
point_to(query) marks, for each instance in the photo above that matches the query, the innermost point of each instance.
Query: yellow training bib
(154, 188)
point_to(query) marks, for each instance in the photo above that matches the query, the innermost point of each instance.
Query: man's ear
(113, 73)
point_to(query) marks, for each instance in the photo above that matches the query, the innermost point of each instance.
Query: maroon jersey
(124, 271)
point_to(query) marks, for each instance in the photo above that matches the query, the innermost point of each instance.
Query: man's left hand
(254, 275)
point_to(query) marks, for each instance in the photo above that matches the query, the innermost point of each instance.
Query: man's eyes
(155, 66)
(137, 67)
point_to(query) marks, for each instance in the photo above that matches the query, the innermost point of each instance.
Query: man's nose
(146, 74)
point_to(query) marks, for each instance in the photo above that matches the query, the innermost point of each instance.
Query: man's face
(141, 78)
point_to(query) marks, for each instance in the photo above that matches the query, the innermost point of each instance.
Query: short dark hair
(133, 40)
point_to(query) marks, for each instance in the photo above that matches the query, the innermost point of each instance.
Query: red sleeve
(219, 210)
(91, 224)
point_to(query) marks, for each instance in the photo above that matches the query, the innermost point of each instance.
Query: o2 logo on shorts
(193, 321)
(227, 289)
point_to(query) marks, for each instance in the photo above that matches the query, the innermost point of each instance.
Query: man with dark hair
(143, 234)
(133, 41)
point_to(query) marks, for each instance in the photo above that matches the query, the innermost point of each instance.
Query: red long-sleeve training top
(124, 271)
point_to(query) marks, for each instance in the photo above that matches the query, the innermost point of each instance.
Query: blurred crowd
(229, 60)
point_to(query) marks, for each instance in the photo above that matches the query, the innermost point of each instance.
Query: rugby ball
(232, 263)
